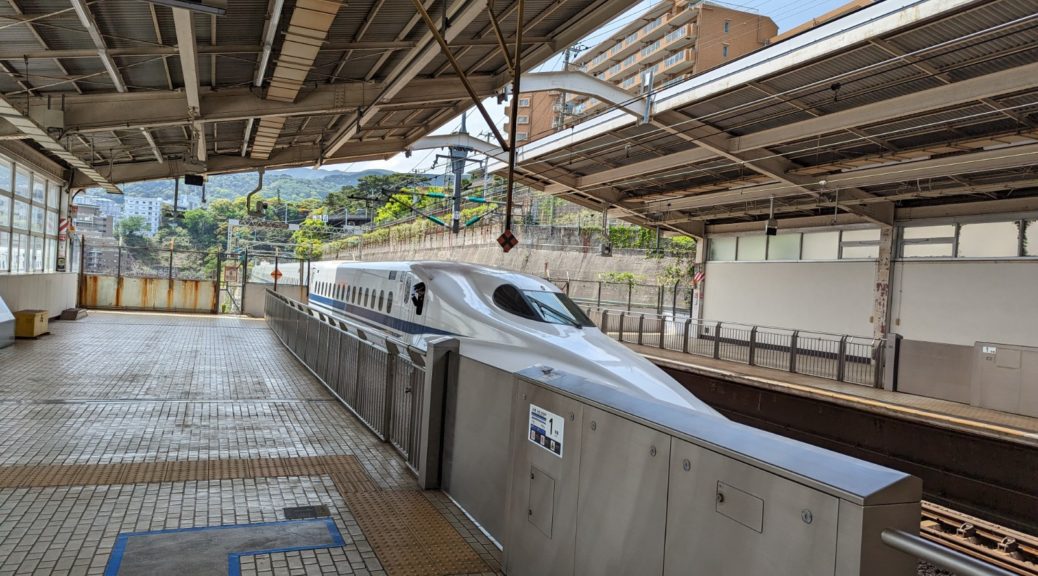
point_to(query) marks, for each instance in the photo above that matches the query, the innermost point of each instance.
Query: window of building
(19, 253)
(724, 51)
(36, 264)
(860, 244)
(21, 215)
(727, 26)
(522, 119)
(648, 50)
(928, 241)
(53, 193)
(21, 183)
(629, 61)
(675, 34)
(524, 102)
(751, 248)
(784, 247)
(5, 211)
(6, 175)
(520, 135)
(721, 248)
(39, 217)
(5, 254)
(39, 190)
(820, 246)
(674, 59)
(653, 25)
(629, 81)
(989, 240)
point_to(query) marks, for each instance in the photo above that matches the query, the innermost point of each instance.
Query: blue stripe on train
(397, 324)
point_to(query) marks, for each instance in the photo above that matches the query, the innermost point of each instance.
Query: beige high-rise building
(674, 39)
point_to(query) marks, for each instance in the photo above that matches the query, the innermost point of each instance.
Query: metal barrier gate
(389, 385)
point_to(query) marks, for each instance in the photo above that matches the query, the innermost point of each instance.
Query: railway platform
(136, 443)
(934, 411)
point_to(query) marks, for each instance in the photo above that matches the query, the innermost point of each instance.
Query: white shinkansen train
(505, 319)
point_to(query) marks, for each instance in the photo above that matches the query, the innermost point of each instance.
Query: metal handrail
(841, 357)
(940, 556)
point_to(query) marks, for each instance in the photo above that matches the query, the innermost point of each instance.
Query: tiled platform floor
(214, 423)
(1010, 427)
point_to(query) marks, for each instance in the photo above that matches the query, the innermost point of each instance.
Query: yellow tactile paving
(410, 536)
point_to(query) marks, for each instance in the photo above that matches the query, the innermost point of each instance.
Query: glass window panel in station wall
(5, 211)
(860, 252)
(821, 246)
(989, 240)
(752, 247)
(52, 223)
(5, 251)
(6, 176)
(20, 218)
(39, 189)
(39, 218)
(784, 247)
(934, 250)
(52, 255)
(37, 255)
(941, 231)
(865, 235)
(1031, 238)
(721, 249)
(21, 183)
(53, 193)
(19, 252)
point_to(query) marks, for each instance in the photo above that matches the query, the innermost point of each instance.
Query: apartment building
(674, 39)
(150, 209)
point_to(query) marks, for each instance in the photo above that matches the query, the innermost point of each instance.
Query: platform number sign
(546, 429)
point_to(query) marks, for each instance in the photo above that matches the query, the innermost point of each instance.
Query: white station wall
(823, 296)
(51, 292)
(962, 302)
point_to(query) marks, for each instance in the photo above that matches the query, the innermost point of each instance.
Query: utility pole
(458, 157)
(570, 50)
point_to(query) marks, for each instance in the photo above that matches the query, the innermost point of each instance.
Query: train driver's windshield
(540, 305)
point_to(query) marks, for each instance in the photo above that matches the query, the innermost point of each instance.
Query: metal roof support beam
(581, 83)
(461, 13)
(282, 158)
(462, 76)
(982, 161)
(88, 22)
(974, 89)
(186, 46)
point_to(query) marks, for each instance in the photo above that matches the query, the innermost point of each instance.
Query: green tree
(309, 239)
(132, 226)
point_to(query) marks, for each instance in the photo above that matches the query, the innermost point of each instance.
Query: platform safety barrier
(851, 359)
(386, 383)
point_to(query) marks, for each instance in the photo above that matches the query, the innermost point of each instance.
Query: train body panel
(505, 319)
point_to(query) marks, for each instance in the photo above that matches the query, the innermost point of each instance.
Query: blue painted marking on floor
(233, 559)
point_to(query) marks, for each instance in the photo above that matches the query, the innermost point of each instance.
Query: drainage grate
(302, 512)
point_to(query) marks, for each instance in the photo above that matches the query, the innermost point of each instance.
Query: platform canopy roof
(127, 90)
(902, 110)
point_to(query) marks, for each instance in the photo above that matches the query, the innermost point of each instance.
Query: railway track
(1008, 549)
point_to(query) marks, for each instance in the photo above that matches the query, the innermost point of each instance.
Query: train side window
(418, 297)
(381, 299)
(353, 294)
(389, 303)
(366, 297)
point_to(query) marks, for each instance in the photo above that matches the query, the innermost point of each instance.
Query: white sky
(786, 14)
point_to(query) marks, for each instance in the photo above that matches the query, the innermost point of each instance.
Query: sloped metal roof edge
(828, 38)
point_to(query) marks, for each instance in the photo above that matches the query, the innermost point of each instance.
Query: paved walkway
(126, 423)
